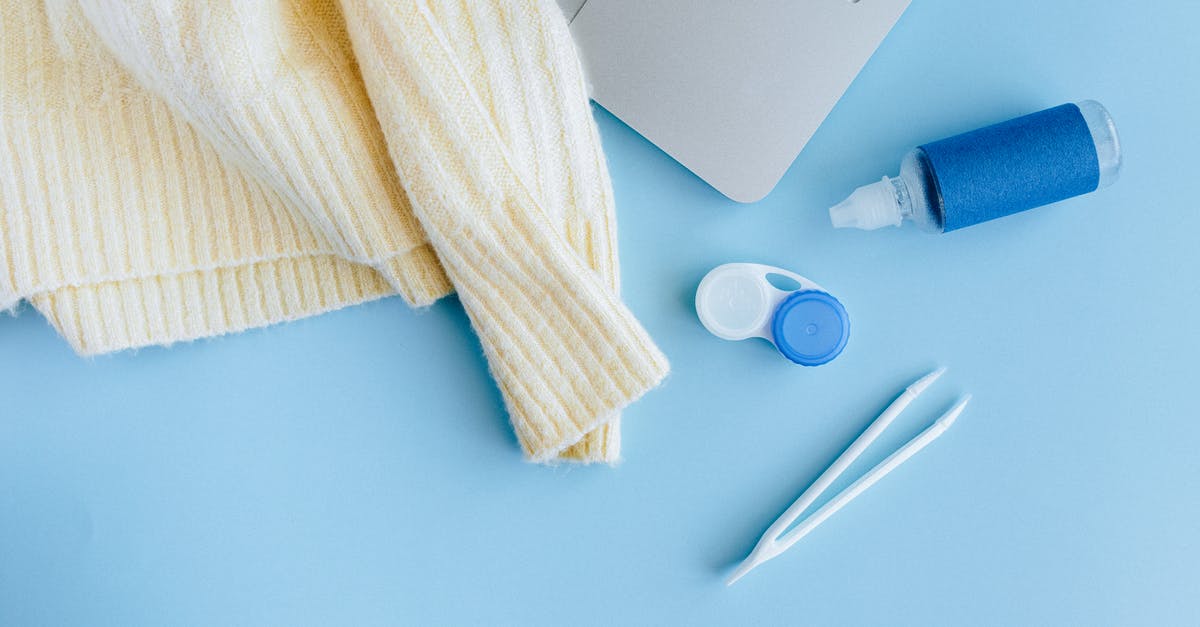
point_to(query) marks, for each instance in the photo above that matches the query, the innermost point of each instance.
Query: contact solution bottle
(992, 172)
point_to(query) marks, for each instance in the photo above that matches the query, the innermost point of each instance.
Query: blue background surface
(357, 468)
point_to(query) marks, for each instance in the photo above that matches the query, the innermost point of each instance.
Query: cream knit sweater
(171, 170)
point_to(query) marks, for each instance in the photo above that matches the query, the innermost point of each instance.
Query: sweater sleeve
(566, 353)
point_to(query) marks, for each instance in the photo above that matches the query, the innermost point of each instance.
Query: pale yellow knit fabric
(174, 170)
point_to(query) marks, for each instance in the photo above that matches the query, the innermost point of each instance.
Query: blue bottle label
(1016, 165)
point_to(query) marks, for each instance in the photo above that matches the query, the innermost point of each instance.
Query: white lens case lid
(736, 301)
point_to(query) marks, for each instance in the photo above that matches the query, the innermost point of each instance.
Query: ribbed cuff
(600, 445)
(566, 353)
(162, 310)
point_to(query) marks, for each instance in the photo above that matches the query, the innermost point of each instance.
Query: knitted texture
(175, 170)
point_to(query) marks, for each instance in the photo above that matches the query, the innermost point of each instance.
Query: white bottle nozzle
(868, 208)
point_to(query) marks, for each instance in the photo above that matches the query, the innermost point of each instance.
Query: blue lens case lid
(810, 327)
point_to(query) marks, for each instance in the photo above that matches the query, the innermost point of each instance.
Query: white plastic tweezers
(776, 541)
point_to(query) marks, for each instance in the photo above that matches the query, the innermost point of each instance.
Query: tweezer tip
(950, 416)
(746, 566)
(919, 385)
